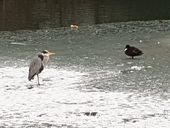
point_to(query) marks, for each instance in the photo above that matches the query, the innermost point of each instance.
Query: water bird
(74, 27)
(132, 51)
(38, 63)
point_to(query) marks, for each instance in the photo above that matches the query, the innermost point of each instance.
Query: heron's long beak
(51, 53)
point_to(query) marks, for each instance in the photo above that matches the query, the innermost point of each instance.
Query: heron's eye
(45, 51)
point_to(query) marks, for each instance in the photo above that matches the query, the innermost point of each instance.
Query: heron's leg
(38, 79)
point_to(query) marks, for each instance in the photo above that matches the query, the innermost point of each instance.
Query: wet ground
(90, 82)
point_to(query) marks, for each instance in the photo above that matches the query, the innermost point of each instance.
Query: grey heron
(132, 51)
(38, 63)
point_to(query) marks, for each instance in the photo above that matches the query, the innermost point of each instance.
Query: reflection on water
(35, 14)
(89, 74)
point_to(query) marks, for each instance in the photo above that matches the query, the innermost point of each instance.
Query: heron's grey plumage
(38, 63)
(36, 66)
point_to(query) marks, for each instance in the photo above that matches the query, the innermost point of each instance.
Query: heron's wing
(35, 67)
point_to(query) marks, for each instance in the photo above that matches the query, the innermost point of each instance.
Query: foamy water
(58, 102)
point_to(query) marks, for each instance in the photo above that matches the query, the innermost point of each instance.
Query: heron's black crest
(45, 52)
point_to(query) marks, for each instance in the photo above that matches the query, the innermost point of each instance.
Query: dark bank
(37, 14)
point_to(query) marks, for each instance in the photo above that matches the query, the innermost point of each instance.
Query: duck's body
(132, 51)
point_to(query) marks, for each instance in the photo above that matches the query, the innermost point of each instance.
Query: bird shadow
(31, 86)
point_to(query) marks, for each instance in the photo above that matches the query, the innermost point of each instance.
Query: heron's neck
(45, 60)
(41, 57)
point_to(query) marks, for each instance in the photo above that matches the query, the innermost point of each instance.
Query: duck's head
(127, 46)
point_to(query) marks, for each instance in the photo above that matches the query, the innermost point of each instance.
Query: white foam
(58, 101)
(137, 67)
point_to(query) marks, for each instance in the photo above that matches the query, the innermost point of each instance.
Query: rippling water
(89, 74)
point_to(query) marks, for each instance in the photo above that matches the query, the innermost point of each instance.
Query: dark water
(35, 14)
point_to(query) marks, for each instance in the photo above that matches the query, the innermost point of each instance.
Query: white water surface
(58, 102)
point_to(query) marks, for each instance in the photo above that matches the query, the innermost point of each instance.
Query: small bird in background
(38, 63)
(132, 51)
(74, 27)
